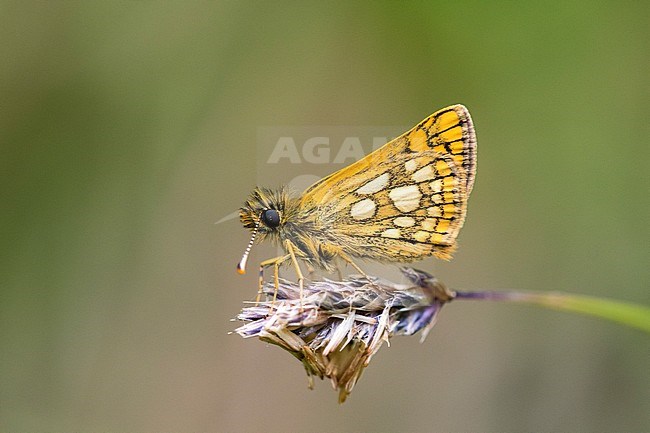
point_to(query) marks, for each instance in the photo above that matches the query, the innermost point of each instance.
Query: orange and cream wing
(407, 199)
(412, 207)
(448, 132)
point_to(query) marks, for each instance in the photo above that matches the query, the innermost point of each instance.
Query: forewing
(407, 199)
(449, 131)
(411, 206)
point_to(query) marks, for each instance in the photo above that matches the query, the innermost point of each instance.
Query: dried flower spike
(340, 325)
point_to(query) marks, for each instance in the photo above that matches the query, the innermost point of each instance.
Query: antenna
(241, 266)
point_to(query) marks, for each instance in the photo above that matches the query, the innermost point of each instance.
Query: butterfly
(403, 202)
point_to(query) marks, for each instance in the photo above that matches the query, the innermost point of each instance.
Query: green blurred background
(128, 128)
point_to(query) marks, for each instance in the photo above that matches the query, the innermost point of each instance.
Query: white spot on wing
(436, 186)
(363, 209)
(425, 173)
(429, 224)
(411, 165)
(404, 222)
(421, 236)
(434, 211)
(406, 198)
(391, 233)
(375, 185)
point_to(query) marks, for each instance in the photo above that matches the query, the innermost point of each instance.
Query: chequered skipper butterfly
(402, 202)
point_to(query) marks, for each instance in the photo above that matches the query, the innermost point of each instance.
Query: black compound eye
(271, 218)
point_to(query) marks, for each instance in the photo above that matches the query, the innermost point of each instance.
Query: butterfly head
(263, 213)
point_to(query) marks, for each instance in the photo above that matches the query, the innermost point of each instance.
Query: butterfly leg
(358, 269)
(301, 279)
(276, 261)
(276, 278)
(354, 265)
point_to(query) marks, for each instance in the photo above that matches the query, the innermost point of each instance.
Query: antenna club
(241, 266)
